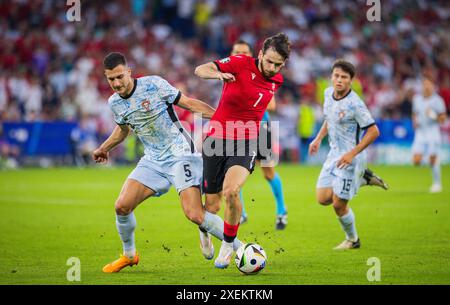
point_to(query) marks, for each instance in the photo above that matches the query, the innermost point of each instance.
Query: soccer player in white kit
(428, 112)
(346, 117)
(145, 105)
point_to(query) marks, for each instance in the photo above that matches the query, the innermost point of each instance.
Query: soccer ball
(250, 258)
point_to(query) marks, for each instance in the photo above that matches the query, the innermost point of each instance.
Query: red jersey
(244, 101)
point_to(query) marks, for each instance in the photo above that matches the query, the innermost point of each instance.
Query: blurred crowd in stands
(51, 69)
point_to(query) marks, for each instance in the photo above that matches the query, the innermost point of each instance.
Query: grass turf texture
(48, 216)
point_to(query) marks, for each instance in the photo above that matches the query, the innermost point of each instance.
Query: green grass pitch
(50, 215)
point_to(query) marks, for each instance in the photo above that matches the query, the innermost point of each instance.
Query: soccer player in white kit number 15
(345, 170)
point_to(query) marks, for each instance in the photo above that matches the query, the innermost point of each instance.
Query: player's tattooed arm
(101, 154)
(315, 144)
(210, 71)
(196, 106)
(371, 134)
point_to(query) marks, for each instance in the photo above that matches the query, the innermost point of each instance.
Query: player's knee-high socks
(214, 225)
(348, 225)
(436, 172)
(277, 191)
(230, 232)
(125, 226)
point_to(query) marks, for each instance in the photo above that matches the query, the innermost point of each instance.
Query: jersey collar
(132, 91)
(338, 99)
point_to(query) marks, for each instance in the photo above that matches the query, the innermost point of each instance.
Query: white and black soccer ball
(250, 258)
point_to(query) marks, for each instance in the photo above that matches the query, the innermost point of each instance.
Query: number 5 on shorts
(187, 171)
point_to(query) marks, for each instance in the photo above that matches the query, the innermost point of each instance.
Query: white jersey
(150, 114)
(346, 119)
(423, 107)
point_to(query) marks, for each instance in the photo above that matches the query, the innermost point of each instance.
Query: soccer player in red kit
(230, 148)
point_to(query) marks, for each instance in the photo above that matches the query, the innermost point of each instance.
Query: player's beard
(263, 71)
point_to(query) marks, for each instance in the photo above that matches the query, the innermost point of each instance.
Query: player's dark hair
(346, 66)
(240, 41)
(114, 59)
(280, 43)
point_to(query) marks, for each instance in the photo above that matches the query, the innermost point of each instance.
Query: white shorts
(180, 171)
(345, 182)
(426, 146)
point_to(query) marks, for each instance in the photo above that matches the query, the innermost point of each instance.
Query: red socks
(229, 232)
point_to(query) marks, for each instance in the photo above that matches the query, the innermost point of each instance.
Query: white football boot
(348, 244)
(206, 245)
(226, 252)
(436, 188)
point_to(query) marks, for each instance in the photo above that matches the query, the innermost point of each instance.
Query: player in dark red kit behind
(229, 150)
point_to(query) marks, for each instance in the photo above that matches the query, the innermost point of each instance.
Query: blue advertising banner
(400, 132)
(40, 138)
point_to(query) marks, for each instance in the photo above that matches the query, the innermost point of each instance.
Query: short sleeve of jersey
(327, 93)
(233, 64)
(115, 110)
(362, 114)
(166, 91)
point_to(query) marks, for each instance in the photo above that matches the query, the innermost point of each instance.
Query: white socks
(125, 226)
(436, 173)
(127, 223)
(348, 225)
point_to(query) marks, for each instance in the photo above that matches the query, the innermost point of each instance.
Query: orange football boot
(121, 263)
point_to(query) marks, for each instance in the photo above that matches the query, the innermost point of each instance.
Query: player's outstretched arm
(210, 71)
(371, 134)
(100, 155)
(315, 144)
(196, 106)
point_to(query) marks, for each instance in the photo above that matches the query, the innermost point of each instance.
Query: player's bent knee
(324, 198)
(231, 193)
(324, 201)
(122, 208)
(194, 216)
(213, 208)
